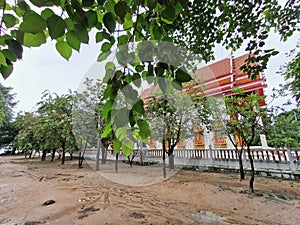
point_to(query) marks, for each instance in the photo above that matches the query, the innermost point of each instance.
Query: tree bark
(242, 173)
(116, 163)
(164, 159)
(53, 155)
(44, 155)
(251, 182)
(99, 146)
(172, 161)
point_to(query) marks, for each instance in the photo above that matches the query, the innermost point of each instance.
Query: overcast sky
(43, 68)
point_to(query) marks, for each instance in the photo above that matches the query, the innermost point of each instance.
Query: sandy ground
(83, 196)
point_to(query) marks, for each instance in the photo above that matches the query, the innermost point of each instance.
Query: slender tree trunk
(44, 155)
(116, 163)
(251, 183)
(71, 156)
(164, 159)
(63, 156)
(103, 154)
(53, 155)
(99, 146)
(242, 173)
(81, 156)
(30, 154)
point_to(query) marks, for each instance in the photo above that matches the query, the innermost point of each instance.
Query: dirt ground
(138, 195)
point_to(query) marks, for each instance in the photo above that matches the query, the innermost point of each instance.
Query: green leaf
(15, 47)
(117, 146)
(139, 107)
(109, 22)
(128, 24)
(102, 56)
(121, 133)
(10, 20)
(120, 118)
(110, 65)
(121, 9)
(106, 130)
(108, 75)
(106, 109)
(82, 34)
(144, 128)
(151, 4)
(33, 23)
(127, 147)
(9, 55)
(99, 37)
(2, 59)
(73, 40)
(64, 49)
(129, 92)
(92, 18)
(182, 76)
(162, 85)
(106, 47)
(46, 13)
(139, 68)
(168, 15)
(122, 40)
(56, 26)
(6, 70)
(34, 40)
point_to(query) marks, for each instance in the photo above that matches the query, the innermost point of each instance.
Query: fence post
(290, 160)
(211, 155)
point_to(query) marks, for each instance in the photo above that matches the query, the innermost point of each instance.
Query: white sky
(43, 68)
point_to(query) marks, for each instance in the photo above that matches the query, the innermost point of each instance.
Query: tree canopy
(195, 25)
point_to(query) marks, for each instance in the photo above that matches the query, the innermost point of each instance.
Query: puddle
(207, 217)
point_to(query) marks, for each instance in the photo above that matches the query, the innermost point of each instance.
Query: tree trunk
(44, 155)
(103, 154)
(116, 163)
(242, 173)
(171, 159)
(81, 156)
(99, 146)
(164, 159)
(71, 156)
(53, 155)
(251, 183)
(63, 156)
(30, 154)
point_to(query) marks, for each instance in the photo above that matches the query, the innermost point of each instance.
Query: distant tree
(172, 116)
(284, 129)
(56, 120)
(88, 123)
(247, 123)
(291, 72)
(25, 140)
(7, 103)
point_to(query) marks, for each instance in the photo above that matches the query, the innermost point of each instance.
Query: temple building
(219, 79)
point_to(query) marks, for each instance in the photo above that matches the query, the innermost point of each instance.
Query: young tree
(248, 115)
